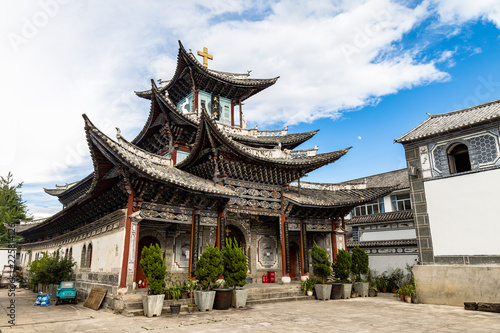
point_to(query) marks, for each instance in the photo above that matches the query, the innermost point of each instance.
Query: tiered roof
(218, 153)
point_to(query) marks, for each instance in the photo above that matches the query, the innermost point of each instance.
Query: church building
(195, 175)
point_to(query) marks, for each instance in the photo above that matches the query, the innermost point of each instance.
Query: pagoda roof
(163, 109)
(272, 165)
(190, 72)
(153, 166)
(445, 123)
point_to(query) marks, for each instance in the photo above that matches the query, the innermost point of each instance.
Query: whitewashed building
(454, 165)
(384, 227)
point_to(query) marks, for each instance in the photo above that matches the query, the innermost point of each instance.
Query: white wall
(391, 262)
(464, 213)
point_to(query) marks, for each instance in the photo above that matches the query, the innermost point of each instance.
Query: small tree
(50, 269)
(209, 267)
(320, 262)
(154, 268)
(359, 262)
(12, 209)
(342, 266)
(235, 264)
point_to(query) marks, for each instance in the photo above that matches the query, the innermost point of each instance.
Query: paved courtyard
(378, 314)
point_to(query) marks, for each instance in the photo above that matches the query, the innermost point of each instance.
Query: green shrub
(154, 268)
(209, 267)
(342, 266)
(320, 262)
(359, 262)
(235, 264)
(50, 269)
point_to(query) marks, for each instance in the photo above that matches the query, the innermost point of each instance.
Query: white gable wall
(463, 213)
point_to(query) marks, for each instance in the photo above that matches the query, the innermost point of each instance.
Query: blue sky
(363, 72)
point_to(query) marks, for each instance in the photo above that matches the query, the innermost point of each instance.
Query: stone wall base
(454, 285)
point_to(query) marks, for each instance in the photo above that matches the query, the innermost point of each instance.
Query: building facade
(384, 227)
(454, 163)
(193, 176)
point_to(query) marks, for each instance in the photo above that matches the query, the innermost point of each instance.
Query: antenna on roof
(248, 72)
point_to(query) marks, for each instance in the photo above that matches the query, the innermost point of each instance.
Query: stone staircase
(258, 293)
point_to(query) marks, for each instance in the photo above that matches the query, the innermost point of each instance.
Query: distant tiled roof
(397, 179)
(312, 197)
(401, 215)
(441, 123)
(383, 243)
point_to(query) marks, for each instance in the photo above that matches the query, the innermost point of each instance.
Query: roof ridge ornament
(205, 56)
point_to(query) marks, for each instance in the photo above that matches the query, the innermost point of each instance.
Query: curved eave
(333, 199)
(206, 124)
(155, 167)
(187, 60)
(287, 141)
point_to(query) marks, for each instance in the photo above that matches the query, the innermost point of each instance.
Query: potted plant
(321, 268)
(235, 272)
(208, 270)
(308, 286)
(154, 268)
(342, 270)
(360, 266)
(382, 282)
(191, 286)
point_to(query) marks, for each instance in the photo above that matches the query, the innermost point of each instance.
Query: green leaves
(359, 262)
(209, 267)
(154, 268)
(12, 208)
(50, 269)
(235, 264)
(321, 263)
(342, 265)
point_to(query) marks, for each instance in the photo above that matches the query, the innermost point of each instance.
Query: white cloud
(89, 57)
(459, 11)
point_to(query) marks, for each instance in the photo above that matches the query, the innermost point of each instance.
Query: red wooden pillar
(284, 245)
(195, 102)
(334, 241)
(232, 113)
(126, 246)
(302, 254)
(345, 236)
(220, 229)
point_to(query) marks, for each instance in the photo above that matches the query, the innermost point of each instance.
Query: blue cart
(66, 292)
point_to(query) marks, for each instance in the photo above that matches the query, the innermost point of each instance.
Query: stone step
(281, 299)
(140, 312)
(275, 294)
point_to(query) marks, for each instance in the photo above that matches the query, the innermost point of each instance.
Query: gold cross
(205, 56)
(228, 231)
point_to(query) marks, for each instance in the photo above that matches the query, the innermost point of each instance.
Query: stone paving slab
(369, 314)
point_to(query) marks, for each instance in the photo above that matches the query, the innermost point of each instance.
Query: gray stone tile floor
(383, 313)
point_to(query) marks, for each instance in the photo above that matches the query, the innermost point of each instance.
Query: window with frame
(459, 159)
(372, 207)
(401, 202)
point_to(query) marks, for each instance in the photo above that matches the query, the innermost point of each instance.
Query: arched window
(66, 254)
(458, 158)
(83, 259)
(89, 255)
(70, 253)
